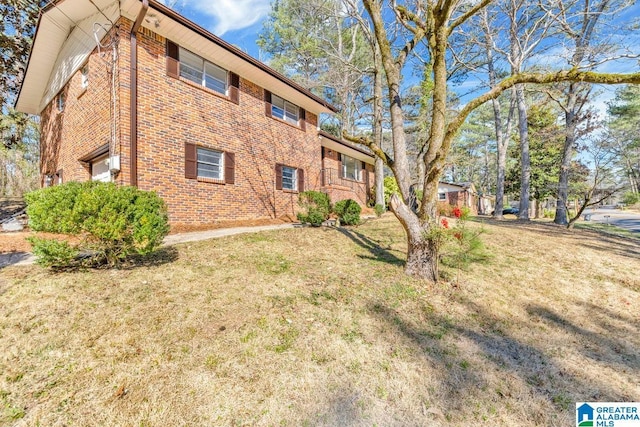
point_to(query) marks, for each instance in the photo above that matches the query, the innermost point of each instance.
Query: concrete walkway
(24, 258)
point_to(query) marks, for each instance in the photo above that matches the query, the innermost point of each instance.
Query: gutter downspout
(133, 83)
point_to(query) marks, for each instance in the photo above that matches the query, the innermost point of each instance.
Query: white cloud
(221, 16)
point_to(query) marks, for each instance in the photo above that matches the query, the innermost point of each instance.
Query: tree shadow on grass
(588, 238)
(162, 256)
(598, 347)
(378, 253)
(440, 340)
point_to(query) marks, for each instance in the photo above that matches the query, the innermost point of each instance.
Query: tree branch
(362, 140)
(468, 14)
(538, 78)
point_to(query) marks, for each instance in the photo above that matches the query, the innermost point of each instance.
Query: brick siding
(172, 112)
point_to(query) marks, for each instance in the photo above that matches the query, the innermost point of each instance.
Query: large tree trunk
(571, 119)
(525, 173)
(377, 129)
(422, 253)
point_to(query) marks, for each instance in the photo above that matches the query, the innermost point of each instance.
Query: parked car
(509, 211)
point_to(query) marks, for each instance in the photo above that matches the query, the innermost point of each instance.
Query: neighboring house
(164, 105)
(459, 194)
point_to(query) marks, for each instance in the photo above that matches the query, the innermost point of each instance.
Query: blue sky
(240, 21)
(236, 21)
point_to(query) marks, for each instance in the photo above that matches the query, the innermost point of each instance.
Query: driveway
(617, 217)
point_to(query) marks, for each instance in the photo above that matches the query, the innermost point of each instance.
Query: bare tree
(433, 23)
(581, 21)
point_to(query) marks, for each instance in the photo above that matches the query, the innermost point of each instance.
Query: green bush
(379, 210)
(52, 253)
(348, 211)
(316, 206)
(110, 221)
(390, 187)
(630, 198)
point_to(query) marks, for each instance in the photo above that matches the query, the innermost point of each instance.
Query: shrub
(348, 211)
(390, 187)
(111, 222)
(317, 207)
(379, 210)
(52, 253)
(630, 198)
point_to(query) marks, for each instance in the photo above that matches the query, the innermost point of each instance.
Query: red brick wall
(461, 199)
(174, 111)
(339, 188)
(171, 112)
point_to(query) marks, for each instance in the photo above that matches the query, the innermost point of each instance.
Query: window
(187, 65)
(284, 110)
(289, 178)
(60, 101)
(442, 196)
(84, 72)
(100, 169)
(199, 71)
(351, 168)
(210, 163)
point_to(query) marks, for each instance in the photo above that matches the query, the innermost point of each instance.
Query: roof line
(343, 142)
(26, 68)
(234, 50)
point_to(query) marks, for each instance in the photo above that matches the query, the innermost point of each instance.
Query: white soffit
(64, 40)
(346, 150)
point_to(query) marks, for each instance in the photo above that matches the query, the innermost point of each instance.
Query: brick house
(162, 104)
(458, 194)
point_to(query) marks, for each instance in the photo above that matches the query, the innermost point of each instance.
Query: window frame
(442, 196)
(200, 71)
(357, 164)
(221, 165)
(286, 110)
(293, 178)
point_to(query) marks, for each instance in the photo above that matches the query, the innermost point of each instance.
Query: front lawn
(319, 326)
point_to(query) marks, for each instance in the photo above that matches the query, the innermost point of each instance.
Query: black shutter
(267, 103)
(278, 176)
(302, 119)
(173, 60)
(190, 161)
(301, 180)
(229, 168)
(234, 87)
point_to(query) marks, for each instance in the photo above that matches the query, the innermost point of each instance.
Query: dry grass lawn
(320, 327)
